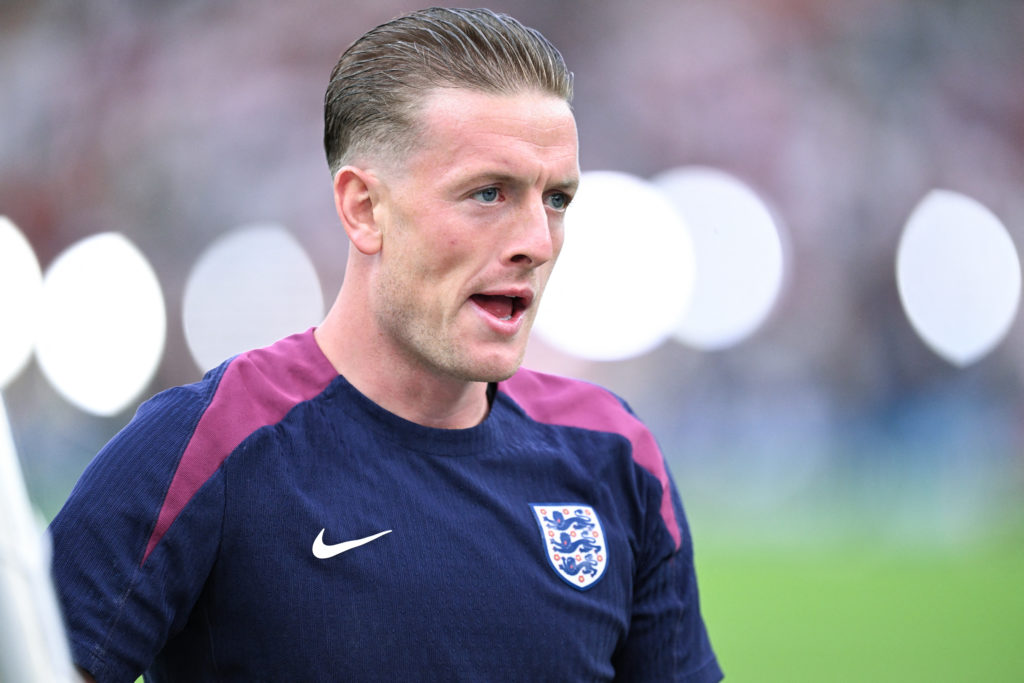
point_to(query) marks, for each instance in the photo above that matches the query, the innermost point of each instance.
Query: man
(387, 496)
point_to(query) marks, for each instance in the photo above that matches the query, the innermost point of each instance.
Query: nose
(534, 240)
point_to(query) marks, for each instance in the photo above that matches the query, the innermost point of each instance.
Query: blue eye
(487, 195)
(558, 200)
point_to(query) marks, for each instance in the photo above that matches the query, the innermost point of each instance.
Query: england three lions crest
(573, 541)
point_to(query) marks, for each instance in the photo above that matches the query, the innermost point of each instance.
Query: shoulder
(556, 399)
(259, 387)
(562, 401)
(238, 397)
(246, 393)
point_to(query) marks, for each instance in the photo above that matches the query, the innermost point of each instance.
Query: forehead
(463, 129)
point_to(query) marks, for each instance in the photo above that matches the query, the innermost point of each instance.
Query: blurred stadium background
(855, 492)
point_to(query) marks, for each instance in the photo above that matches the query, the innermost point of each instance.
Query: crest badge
(573, 542)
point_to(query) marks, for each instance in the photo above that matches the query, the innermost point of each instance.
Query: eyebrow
(570, 184)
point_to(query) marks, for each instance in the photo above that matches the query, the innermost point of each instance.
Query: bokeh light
(738, 252)
(20, 284)
(625, 275)
(250, 288)
(958, 275)
(102, 324)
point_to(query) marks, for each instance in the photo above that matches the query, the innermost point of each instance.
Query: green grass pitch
(866, 614)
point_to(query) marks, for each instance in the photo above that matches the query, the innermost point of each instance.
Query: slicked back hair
(380, 81)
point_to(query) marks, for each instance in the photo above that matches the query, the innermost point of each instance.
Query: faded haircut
(380, 81)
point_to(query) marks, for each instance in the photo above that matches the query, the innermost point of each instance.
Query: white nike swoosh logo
(323, 551)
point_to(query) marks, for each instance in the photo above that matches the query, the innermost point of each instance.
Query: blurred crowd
(173, 123)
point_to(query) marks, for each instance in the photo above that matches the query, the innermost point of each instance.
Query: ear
(355, 194)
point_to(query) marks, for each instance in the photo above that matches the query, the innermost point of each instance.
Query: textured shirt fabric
(546, 543)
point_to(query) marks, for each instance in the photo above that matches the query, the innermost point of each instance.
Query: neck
(411, 393)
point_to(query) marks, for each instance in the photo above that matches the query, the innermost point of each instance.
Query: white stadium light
(20, 284)
(958, 275)
(625, 275)
(248, 289)
(102, 324)
(738, 251)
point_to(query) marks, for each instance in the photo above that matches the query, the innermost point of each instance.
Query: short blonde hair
(381, 79)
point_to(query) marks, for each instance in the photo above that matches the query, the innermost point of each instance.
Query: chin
(493, 374)
(492, 370)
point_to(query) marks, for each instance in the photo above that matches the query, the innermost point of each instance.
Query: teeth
(507, 317)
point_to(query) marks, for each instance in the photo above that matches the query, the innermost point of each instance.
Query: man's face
(472, 223)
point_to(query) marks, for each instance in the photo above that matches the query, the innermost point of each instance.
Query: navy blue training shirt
(272, 523)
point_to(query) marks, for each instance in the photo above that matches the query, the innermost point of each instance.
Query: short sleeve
(118, 608)
(667, 640)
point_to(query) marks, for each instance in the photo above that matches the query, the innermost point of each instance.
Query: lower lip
(506, 328)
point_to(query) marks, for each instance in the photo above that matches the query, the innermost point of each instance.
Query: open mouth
(500, 306)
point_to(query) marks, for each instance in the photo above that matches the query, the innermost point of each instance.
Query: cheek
(544, 274)
(439, 269)
(443, 257)
(557, 240)
(460, 252)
